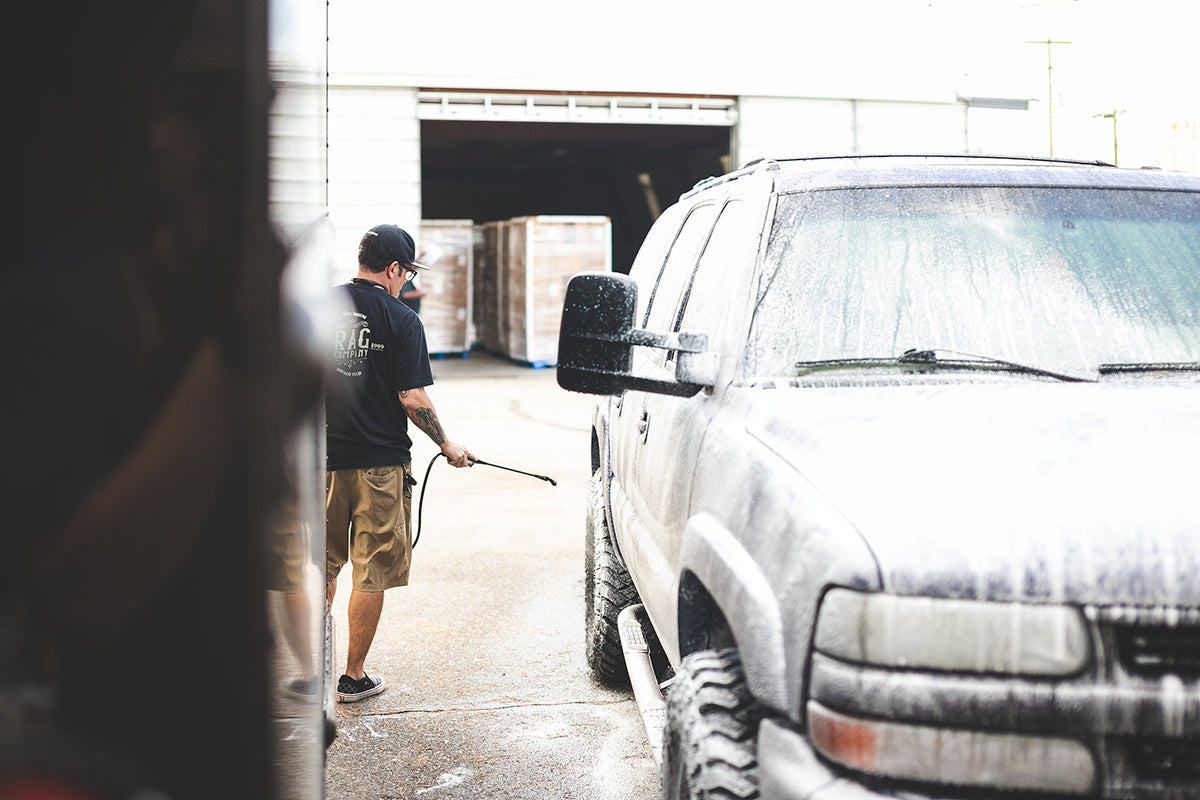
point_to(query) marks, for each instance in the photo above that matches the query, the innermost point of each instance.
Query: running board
(651, 704)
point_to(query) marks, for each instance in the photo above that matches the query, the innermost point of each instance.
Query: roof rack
(980, 156)
(773, 164)
(758, 164)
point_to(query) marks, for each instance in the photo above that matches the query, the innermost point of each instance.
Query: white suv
(896, 473)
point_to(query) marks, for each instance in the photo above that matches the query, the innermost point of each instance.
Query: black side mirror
(593, 350)
(596, 340)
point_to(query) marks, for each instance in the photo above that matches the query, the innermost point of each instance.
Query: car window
(678, 268)
(728, 255)
(1060, 278)
(648, 264)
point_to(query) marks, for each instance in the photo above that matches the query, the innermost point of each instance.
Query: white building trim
(484, 106)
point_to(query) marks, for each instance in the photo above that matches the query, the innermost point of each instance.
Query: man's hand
(456, 454)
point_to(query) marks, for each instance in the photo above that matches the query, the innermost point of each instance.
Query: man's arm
(422, 413)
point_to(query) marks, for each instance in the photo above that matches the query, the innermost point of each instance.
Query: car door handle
(644, 425)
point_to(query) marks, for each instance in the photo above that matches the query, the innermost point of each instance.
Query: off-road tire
(607, 589)
(709, 748)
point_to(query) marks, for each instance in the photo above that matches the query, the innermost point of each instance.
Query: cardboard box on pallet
(446, 306)
(540, 256)
(489, 309)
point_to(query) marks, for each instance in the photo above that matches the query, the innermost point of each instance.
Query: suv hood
(1082, 493)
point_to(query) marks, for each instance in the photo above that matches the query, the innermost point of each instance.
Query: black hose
(421, 501)
(474, 461)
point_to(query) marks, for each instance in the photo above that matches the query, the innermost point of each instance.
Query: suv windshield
(1065, 279)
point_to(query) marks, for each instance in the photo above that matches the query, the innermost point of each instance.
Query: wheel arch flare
(723, 589)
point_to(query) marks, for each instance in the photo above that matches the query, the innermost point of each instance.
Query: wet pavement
(489, 693)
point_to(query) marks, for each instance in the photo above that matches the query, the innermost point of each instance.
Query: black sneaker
(351, 691)
(302, 688)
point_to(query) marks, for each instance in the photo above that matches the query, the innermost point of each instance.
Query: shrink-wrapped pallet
(540, 256)
(489, 322)
(446, 306)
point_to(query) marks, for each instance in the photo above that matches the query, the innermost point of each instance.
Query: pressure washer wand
(550, 481)
(474, 461)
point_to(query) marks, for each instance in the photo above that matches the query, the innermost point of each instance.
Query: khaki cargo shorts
(368, 522)
(285, 549)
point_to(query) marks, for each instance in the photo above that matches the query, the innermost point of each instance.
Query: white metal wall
(779, 127)
(297, 186)
(374, 166)
(297, 147)
(901, 127)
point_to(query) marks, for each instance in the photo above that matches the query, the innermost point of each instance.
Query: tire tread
(712, 728)
(608, 590)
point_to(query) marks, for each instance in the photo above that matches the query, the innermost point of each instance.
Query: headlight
(952, 635)
(962, 757)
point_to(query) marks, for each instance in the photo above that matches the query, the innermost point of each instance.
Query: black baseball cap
(390, 242)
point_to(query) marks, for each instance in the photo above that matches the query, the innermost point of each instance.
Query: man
(382, 369)
(411, 296)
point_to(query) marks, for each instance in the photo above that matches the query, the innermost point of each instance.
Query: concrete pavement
(489, 693)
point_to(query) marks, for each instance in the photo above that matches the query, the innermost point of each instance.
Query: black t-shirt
(379, 351)
(412, 302)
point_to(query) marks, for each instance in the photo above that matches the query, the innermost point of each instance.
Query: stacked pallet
(539, 256)
(500, 284)
(489, 248)
(448, 251)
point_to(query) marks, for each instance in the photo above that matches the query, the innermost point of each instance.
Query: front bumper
(789, 769)
(1143, 735)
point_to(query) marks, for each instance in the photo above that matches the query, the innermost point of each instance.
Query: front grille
(1165, 761)
(1153, 651)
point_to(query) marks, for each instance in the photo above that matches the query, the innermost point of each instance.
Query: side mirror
(598, 311)
(596, 340)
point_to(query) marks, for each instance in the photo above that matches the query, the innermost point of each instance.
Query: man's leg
(364, 611)
(298, 631)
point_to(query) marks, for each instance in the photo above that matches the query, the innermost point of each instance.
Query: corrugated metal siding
(777, 127)
(374, 166)
(297, 149)
(893, 127)
(780, 127)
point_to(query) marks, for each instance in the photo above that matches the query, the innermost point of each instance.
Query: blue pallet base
(530, 364)
(542, 364)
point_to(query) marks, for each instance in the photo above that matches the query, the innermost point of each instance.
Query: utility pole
(1113, 116)
(1049, 87)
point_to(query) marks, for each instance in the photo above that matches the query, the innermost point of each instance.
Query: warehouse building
(461, 131)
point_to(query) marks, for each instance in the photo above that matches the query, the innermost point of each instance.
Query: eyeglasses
(410, 273)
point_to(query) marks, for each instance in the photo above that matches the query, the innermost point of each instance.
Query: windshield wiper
(1150, 366)
(933, 359)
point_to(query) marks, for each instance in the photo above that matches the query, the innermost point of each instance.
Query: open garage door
(493, 156)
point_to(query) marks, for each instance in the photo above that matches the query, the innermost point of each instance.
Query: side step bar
(632, 623)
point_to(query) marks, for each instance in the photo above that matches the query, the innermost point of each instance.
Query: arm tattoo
(427, 420)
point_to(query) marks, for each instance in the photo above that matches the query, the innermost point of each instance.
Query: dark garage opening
(485, 171)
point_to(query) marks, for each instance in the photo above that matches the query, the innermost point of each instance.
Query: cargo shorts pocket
(383, 487)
